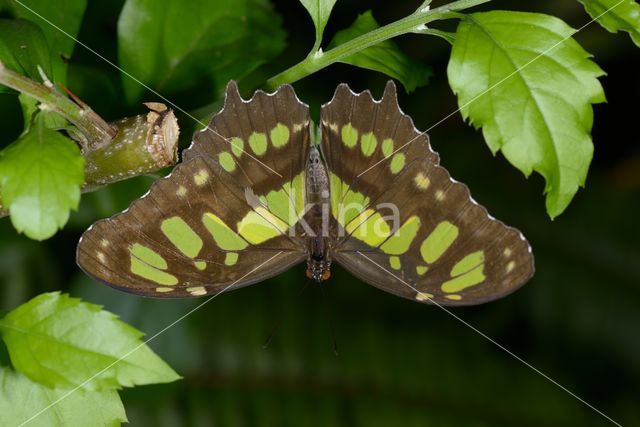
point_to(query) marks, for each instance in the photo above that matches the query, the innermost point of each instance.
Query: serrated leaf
(21, 399)
(173, 48)
(616, 15)
(385, 57)
(23, 48)
(530, 86)
(66, 16)
(40, 178)
(61, 341)
(320, 10)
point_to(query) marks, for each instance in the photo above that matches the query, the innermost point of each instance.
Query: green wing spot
(394, 262)
(201, 265)
(146, 271)
(397, 163)
(400, 241)
(349, 135)
(279, 205)
(258, 143)
(387, 147)
(237, 146)
(182, 236)
(280, 135)
(368, 144)
(260, 225)
(422, 181)
(468, 279)
(148, 256)
(230, 258)
(225, 237)
(288, 202)
(369, 227)
(468, 263)
(440, 239)
(297, 190)
(226, 161)
(421, 270)
(345, 204)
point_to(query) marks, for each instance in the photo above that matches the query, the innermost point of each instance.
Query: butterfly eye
(309, 274)
(326, 274)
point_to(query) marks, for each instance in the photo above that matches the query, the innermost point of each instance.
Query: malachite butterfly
(255, 195)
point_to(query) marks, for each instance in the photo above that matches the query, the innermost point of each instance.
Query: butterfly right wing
(402, 224)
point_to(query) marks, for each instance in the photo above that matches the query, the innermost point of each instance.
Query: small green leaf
(385, 57)
(175, 48)
(530, 86)
(21, 399)
(60, 341)
(30, 110)
(320, 10)
(23, 48)
(615, 16)
(40, 178)
(66, 16)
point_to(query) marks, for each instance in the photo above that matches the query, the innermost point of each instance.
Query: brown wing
(402, 224)
(262, 142)
(222, 218)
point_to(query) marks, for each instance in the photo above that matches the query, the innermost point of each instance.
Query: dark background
(400, 363)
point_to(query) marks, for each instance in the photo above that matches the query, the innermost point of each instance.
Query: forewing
(404, 225)
(261, 143)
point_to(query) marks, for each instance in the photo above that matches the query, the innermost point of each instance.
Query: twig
(113, 151)
(51, 100)
(318, 60)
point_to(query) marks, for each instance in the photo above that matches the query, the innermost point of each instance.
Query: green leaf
(21, 399)
(66, 16)
(385, 57)
(60, 341)
(320, 10)
(615, 16)
(40, 178)
(30, 110)
(530, 86)
(23, 48)
(174, 48)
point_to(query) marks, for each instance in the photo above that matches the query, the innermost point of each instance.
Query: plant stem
(112, 151)
(318, 60)
(94, 129)
(143, 144)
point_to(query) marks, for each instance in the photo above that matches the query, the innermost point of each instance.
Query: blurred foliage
(384, 57)
(399, 363)
(195, 49)
(70, 358)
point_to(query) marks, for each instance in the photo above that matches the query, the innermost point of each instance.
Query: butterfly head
(319, 272)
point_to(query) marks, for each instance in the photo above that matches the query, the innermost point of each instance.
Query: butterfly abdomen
(317, 218)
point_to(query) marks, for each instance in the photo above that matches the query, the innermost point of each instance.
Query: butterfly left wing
(222, 219)
(401, 223)
(175, 241)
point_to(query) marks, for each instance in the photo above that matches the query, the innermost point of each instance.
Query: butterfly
(255, 194)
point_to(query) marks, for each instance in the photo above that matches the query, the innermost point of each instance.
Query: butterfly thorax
(317, 218)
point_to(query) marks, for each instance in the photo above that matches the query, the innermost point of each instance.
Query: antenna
(267, 342)
(326, 302)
